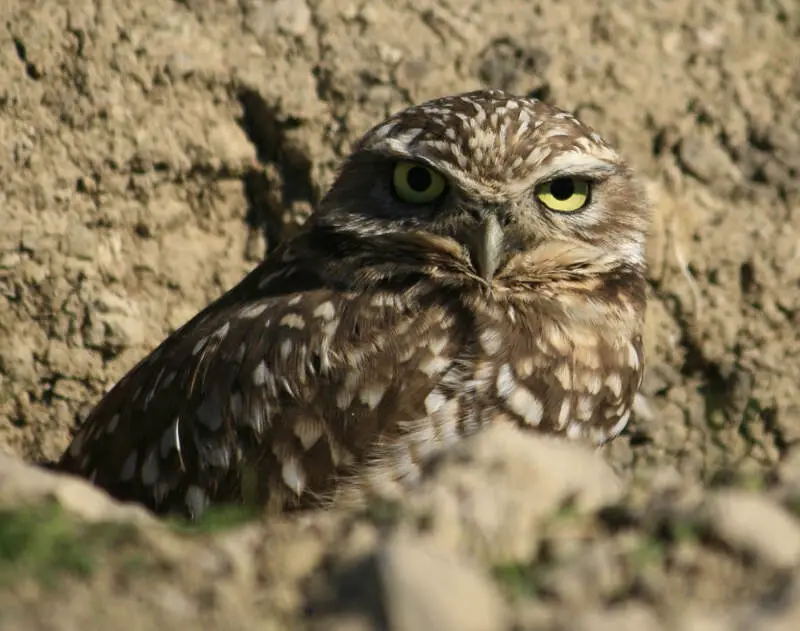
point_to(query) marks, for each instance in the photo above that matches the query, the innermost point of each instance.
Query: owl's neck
(565, 273)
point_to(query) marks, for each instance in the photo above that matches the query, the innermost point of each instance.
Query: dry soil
(151, 152)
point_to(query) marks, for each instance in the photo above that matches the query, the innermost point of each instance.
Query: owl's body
(438, 288)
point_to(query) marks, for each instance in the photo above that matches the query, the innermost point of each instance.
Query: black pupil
(562, 189)
(419, 179)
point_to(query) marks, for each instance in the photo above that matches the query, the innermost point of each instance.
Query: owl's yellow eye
(564, 194)
(417, 184)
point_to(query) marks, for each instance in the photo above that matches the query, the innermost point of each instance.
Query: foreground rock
(25, 485)
(507, 531)
(490, 496)
(425, 588)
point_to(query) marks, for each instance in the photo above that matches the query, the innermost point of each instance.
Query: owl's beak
(488, 251)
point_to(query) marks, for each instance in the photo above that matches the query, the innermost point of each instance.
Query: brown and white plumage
(388, 329)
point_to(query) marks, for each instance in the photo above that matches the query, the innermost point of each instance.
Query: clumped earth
(153, 151)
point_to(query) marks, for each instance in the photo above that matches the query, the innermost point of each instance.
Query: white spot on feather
(219, 457)
(614, 383)
(325, 310)
(372, 394)
(261, 374)
(339, 454)
(437, 345)
(564, 375)
(209, 412)
(199, 346)
(293, 321)
(617, 428)
(293, 475)
(491, 341)
(433, 365)
(405, 468)
(592, 383)
(264, 282)
(434, 401)
(633, 356)
(222, 331)
(446, 420)
(150, 469)
(128, 468)
(505, 382)
(518, 398)
(585, 408)
(112, 424)
(525, 368)
(196, 500)
(523, 403)
(559, 341)
(309, 431)
(423, 441)
(236, 405)
(575, 430)
(77, 445)
(563, 414)
(345, 396)
(252, 311)
(168, 380)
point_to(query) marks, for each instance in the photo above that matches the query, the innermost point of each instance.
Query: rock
(425, 588)
(624, 618)
(765, 616)
(74, 362)
(17, 360)
(756, 525)
(24, 484)
(81, 242)
(231, 146)
(115, 321)
(490, 493)
(704, 621)
(292, 17)
(706, 160)
(789, 469)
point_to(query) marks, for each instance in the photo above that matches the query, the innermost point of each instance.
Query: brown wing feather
(269, 397)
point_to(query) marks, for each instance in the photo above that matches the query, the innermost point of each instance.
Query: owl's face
(499, 175)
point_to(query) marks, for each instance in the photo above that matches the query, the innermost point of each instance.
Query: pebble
(756, 525)
(492, 493)
(425, 588)
(292, 17)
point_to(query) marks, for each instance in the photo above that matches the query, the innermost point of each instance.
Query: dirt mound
(153, 151)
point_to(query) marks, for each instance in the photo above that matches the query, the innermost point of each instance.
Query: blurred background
(153, 151)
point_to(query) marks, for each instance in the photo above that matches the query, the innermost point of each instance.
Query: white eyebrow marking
(576, 163)
(397, 144)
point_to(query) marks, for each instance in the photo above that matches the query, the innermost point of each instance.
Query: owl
(478, 259)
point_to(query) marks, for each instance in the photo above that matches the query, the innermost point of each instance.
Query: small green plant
(44, 542)
(385, 512)
(684, 530)
(520, 579)
(793, 505)
(650, 552)
(216, 518)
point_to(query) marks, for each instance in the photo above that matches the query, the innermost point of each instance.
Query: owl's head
(499, 175)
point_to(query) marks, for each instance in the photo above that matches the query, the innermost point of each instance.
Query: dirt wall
(152, 152)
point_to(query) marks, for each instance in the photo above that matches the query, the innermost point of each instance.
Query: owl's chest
(545, 372)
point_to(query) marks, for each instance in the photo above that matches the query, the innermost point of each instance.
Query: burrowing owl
(479, 259)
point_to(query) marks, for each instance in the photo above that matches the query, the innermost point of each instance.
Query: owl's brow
(393, 152)
(575, 163)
